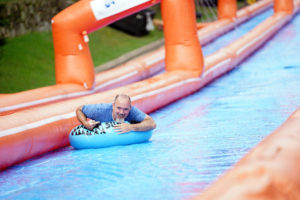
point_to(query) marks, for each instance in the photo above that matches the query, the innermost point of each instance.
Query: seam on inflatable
(221, 64)
(256, 39)
(114, 80)
(36, 124)
(45, 100)
(160, 90)
(154, 59)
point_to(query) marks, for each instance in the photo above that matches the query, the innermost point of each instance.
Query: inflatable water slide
(40, 129)
(71, 83)
(70, 86)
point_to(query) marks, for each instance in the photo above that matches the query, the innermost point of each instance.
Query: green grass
(109, 43)
(211, 13)
(27, 61)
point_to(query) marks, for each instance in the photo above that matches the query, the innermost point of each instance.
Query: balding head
(122, 97)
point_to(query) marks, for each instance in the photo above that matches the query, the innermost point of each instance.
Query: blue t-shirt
(103, 113)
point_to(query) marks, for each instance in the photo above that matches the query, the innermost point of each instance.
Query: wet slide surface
(197, 139)
(236, 33)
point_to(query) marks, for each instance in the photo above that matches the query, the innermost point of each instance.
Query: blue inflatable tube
(104, 136)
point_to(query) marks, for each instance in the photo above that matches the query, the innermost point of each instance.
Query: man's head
(121, 107)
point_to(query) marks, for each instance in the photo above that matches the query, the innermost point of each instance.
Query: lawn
(27, 61)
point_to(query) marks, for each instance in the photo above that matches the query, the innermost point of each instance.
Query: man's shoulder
(135, 109)
(104, 106)
(136, 114)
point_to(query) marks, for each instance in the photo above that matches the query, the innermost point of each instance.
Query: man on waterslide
(120, 110)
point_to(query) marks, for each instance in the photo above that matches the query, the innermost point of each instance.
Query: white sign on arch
(106, 8)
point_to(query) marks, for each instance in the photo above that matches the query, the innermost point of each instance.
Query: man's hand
(123, 128)
(90, 124)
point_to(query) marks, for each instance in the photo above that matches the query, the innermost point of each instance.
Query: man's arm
(89, 124)
(147, 124)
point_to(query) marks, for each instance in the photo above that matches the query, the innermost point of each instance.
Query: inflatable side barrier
(140, 68)
(41, 129)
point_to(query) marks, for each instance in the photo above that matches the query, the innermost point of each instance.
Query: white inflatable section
(106, 8)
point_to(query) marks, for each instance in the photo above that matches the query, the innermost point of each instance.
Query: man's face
(121, 109)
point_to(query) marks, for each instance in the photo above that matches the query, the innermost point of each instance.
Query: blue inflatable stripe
(104, 136)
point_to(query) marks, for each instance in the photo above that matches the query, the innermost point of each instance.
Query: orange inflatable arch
(136, 70)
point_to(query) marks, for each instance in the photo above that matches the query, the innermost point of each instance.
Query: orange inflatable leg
(227, 9)
(183, 50)
(286, 6)
(73, 61)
